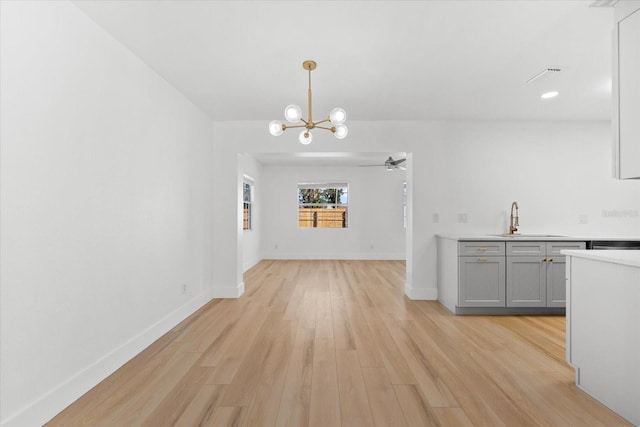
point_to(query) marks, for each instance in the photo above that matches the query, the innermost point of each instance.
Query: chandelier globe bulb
(305, 137)
(275, 127)
(293, 113)
(337, 116)
(341, 131)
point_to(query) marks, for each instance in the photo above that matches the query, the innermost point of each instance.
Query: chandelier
(293, 114)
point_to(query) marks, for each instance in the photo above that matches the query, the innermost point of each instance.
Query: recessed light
(548, 95)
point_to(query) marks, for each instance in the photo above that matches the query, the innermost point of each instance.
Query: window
(247, 199)
(323, 205)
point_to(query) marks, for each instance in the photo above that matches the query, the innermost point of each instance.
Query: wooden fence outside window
(319, 217)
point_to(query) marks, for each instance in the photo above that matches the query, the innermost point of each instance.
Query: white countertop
(551, 237)
(631, 258)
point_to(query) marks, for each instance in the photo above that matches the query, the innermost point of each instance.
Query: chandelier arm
(323, 121)
(296, 126)
(332, 129)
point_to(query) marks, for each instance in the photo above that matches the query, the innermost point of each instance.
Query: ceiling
(379, 60)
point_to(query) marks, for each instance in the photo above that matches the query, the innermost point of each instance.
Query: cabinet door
(526, 281)
(556, 281)
(556, 272)
(627, 107)
(482, 281)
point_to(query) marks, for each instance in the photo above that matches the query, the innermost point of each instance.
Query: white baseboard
(346, 256)
(428, 294)
(228, 291)
(247, 265)
(51, 403)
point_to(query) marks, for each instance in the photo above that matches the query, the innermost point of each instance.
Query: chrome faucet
(514, 220)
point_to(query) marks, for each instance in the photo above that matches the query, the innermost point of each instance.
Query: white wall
(106, 200)
(251, 171)
(556, 171)
(251, 137)
(375, 227)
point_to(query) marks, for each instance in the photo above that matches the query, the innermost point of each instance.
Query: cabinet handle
(550, 259)
(544, 260)
(481, 249)
(483, 259)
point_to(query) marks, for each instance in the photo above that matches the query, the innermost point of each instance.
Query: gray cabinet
(556, 271)
(502, 276)
(536, 273)
(526, 281)
(482, 281)
(481, 248)
(482, 274)
(556, 282)
(526, 274)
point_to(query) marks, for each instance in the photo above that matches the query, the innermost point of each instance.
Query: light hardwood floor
(336, 343)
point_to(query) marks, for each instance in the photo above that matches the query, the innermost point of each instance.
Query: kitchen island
(603, 326)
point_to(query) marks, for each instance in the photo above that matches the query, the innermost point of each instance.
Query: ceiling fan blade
(389, 164)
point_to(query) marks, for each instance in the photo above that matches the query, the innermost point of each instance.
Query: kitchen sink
(525, 235)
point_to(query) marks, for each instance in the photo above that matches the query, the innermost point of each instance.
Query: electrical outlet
(275, 246)
(184, 288)
(463, 218)
(583, 219)
(371, 246)
(435, 218)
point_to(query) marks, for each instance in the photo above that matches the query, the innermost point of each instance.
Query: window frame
(316, 222)
(247, 204)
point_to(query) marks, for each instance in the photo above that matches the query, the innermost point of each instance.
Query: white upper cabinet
(626, 90)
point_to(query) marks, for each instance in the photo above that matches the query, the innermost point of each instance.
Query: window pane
(246, 206)
(323, 205)
(344, 195)
(246, 192)
(246, 216)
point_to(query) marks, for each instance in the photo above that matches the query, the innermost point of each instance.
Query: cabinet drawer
(525, 248)
(481, 248)
(554, 248)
